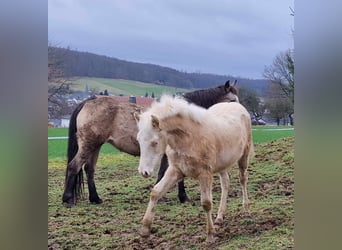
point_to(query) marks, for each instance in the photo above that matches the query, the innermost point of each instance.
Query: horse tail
(73, 148)
(251, 152)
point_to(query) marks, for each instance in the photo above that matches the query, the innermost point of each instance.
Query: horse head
(231, 92)
(152, 144)
(208, 97)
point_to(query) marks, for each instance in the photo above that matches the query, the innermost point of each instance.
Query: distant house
(65, 123)
(65, 120)
(60, 123)
(54, 122)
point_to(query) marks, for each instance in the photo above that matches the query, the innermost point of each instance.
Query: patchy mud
(237, 226)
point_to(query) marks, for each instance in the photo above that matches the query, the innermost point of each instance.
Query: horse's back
(228, 109)
(231, 125)
(97, 114)
(104, 119)
(231, 115)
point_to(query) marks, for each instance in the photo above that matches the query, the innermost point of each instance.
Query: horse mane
(209, 97)
(171, 106)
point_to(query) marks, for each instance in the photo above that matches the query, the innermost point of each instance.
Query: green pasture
(120, 86)
(115, 223)
(270, 133)
(58, 148)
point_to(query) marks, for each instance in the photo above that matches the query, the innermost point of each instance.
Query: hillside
(120, 86)
(84, 64)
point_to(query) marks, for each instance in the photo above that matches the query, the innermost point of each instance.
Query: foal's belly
(227, 158)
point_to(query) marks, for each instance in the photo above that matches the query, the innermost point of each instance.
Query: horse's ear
(235, 82)
(227, 85)
(136, 116)
(155, 122)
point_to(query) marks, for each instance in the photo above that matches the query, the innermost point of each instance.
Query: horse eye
(154, 143)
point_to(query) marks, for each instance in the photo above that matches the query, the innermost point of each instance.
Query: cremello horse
(198, 143)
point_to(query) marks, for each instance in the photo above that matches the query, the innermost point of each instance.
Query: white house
(65, 122)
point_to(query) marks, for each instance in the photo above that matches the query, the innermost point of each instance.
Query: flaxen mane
(171, 106)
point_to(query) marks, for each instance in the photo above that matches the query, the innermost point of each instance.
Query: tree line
(87, 64)
(273, 95)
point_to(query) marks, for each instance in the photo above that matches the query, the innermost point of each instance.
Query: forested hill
(76, 63)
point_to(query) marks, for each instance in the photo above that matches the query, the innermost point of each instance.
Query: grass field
(269, 133)
(119, 86)
(114, 224)
(57, 148)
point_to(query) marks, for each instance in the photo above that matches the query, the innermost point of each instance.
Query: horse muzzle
(145, 173)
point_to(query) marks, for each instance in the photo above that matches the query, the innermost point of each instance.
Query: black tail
(73, 148)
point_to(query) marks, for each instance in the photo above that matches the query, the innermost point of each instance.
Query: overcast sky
(226, 37)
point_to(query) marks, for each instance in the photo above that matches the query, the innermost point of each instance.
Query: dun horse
(198, 143)
(100, 120)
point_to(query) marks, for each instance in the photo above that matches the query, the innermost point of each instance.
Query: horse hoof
(68, 201)
(210, 238)
(218, 222)
(68, 204)
(144, 232)
(184, 199)
(96, 201)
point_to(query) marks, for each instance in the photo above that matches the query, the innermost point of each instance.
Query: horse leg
(243, 176)
(70, 182)
(172, 176)
(90, 170)
(73, 170)
(206, 182)
(224, 179)
(163, 167)
(181, 188)
(181, 192)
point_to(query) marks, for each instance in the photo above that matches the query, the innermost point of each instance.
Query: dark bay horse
(100, 120)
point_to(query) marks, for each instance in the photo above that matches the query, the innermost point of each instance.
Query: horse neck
(192, 150)
(204, 98)
(189, 138)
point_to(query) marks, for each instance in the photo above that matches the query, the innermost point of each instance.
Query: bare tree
(278, 105)
(280, 109)
(281, 73)
(57, 82)
(252, 102)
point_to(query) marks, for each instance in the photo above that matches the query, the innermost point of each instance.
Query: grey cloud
(196, 35)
